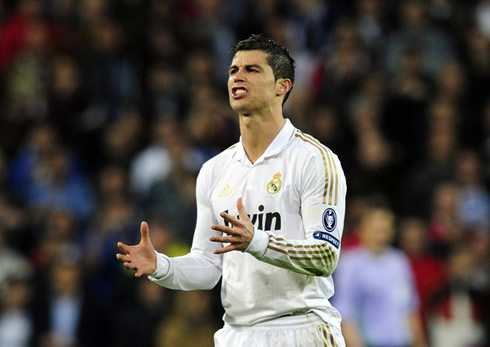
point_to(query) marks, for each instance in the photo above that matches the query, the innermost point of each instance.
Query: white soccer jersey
(295, 197)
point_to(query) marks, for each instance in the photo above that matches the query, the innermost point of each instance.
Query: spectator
(55, 185)
(404, 118)
(445, 228)
(376, 292)
(18, 29)
(474, 200)
(345, 65)
(63, 315)
(110, 74)
(429, 271)
(165, 93)
(15, 321)
(116, 217)
(480, 248)
(12, 264)
(122, 138)
(190, 323)
(58, 226)
(137, 322)
(154, 163)
(174, 200)
(456, 319)
(436, 165)
(436, 46)
(372, 22)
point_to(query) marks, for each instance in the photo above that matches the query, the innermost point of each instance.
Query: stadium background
(109, 108)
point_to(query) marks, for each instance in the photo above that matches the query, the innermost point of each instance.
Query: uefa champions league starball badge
(329, 219)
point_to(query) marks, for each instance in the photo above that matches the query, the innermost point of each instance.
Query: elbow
(328, 272)
(325, 272)
(324, 264)
(211, 280)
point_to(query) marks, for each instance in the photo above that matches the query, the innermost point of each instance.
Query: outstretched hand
(140, 258)
(240, 233)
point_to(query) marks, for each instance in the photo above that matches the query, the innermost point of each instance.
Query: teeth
(240, 91)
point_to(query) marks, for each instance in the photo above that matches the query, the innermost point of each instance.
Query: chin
(242, 109)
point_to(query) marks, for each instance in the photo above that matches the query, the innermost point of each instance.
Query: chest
(270, 191)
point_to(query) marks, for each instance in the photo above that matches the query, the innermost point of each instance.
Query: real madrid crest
(275, 184)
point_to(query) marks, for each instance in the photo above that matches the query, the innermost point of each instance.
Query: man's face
(377, 229)
(251, 82)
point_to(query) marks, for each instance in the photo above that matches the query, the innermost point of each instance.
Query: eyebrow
(246, 66)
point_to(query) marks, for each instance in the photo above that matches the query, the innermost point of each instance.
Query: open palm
(140, 258)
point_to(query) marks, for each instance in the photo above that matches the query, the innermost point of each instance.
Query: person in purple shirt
(375, 288)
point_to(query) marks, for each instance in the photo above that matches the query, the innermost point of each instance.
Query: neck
(258, 132)
(372, 245)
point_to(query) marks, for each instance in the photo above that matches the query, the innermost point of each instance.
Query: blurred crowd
(108, 108)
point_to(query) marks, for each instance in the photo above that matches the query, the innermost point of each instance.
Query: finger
(225, 229)
(230, 218)
(124, 247)
(225, 239)
(241, 210)
(123, 257)
(226, 249)
(128, 265)
(145, 232)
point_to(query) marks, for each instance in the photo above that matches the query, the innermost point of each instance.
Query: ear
(283, 85)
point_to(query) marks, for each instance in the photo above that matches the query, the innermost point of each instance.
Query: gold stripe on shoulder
(231, 147)
(300, 135)
(332, 182)
(335, 182)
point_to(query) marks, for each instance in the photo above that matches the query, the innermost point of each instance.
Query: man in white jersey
(270, 214)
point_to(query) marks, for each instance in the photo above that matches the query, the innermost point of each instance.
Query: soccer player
(270, 215)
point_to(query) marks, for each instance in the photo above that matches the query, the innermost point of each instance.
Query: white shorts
(306, 330)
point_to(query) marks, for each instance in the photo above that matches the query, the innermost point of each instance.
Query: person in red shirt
(428, 270)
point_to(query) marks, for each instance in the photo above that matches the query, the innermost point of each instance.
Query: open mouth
(238, 92)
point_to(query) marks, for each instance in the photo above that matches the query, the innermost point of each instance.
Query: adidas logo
(225, 191)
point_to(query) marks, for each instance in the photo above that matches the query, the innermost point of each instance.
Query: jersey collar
(276, 146)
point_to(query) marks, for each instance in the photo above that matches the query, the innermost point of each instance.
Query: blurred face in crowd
(445, 199)
(66, 278)
(15, 295)
(413, 236)
(377, 229)
(66, 78)
(461, 263)
(468, 167)
(251, 82)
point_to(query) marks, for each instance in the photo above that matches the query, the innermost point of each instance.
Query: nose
(239, 76)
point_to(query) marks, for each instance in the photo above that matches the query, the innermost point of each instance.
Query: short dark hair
(277, 56)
